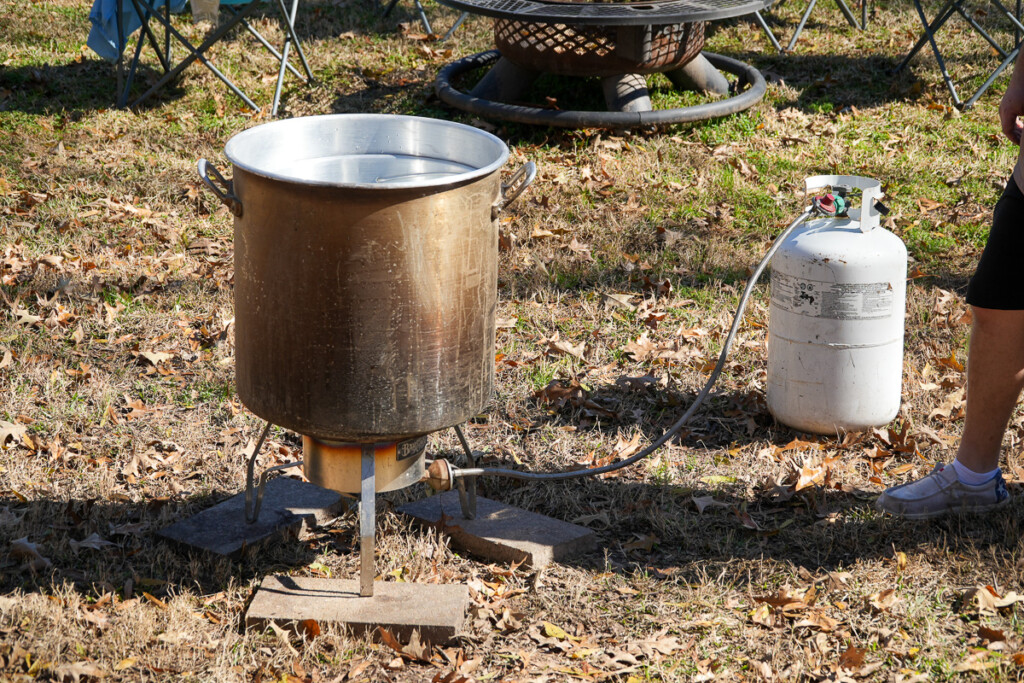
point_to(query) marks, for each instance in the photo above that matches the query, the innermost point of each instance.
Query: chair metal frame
(146, 10)
(425, 21)
(843, 7)
(956, 7)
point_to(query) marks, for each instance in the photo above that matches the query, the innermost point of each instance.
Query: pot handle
(515, 186)
(227, 195)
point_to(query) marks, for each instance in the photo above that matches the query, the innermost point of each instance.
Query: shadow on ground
(152, 564)
(658, 531)
(655, 530)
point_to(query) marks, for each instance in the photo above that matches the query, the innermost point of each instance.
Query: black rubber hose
(598, 119)
(674, 429)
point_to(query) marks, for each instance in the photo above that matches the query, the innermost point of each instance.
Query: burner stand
(433, 613)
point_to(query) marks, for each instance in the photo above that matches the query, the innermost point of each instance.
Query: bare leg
(995, 377)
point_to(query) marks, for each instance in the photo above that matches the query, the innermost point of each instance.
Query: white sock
(968, 476)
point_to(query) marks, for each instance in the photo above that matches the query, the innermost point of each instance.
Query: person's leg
(995, 377)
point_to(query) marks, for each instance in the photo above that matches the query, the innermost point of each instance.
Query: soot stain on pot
(403, 340)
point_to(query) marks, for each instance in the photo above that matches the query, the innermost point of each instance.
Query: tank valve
(439, 475)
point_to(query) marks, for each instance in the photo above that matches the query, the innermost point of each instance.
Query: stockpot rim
(239, 145)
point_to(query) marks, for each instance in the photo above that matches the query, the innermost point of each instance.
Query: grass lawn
(742, 550)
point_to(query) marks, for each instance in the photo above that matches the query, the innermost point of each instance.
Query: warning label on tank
(861, 301)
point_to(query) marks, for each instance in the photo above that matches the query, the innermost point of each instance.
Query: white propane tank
(835, 330)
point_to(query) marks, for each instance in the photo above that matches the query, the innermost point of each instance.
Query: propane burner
(336, 466)
(365, 469)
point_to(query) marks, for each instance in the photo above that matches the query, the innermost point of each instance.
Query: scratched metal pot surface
(366, 252)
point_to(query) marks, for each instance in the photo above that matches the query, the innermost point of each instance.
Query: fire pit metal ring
(598, 119)
(618, 13)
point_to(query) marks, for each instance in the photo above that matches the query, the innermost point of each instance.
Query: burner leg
(367, 519)
(505, 82)
(626, 92)
(467, 498)
(699, 74)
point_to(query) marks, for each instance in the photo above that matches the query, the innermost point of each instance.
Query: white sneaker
(940, 493)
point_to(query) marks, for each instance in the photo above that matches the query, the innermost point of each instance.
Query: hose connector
(439, 475)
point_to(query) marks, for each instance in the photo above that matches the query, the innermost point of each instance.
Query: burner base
(436, 611)
(288, 504)
(503, 533)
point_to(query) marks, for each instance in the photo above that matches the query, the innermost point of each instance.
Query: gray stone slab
(503, 533)
(287, 505)
(436, 611)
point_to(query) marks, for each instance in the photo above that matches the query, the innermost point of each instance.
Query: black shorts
(996, 282)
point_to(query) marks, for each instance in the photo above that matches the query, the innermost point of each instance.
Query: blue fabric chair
(115, 20)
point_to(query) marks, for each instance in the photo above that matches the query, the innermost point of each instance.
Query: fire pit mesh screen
(598, 50)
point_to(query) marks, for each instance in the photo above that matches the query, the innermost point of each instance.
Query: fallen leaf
(26, 318)
(819, 621)
(618, 301)
(97, 618)
(75, 672)
(986, 600)
(641, 349)
(624, 448)
(557, 347)
(704, 502)
(23, 549)
(883, 600)
(282, 636)
(126, 663)
(553, 631)
(93, 542)
(952, 407)
(810, 476)
(978, 661)
(155, 600)
(156, 357)
(990, 634)
(762, 614)
(746, 519)
(415, 650)
(853, 658)
(901, 561)
(12, 431)
(645, 543)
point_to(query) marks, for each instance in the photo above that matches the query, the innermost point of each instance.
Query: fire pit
(597, 50)
(618, 42)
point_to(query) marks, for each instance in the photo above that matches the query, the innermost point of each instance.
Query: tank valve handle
(831, 205)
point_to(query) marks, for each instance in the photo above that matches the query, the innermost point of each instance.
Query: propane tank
(835, 331)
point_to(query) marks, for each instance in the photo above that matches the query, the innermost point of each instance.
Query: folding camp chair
(425, 21)
(843, 7)
(239, 11)
(957, 7)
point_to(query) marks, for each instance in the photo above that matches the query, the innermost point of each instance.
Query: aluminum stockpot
(366, 250)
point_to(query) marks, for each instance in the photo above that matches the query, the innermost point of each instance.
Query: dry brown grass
(109, 240)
